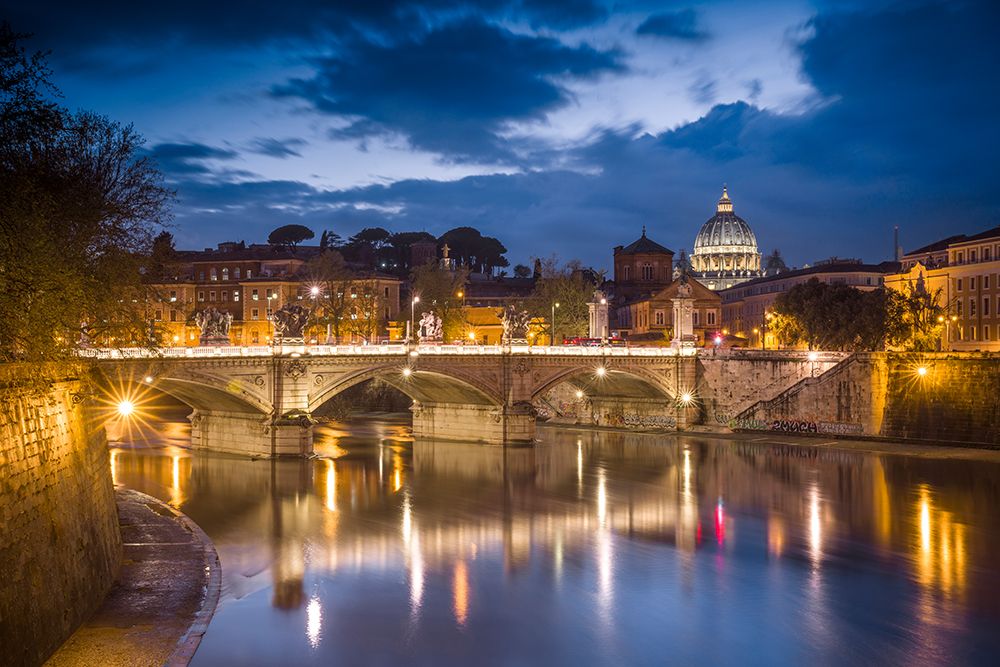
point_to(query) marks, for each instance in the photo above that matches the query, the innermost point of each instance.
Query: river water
(592, 548)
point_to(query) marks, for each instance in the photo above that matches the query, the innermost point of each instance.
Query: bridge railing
(369, 350)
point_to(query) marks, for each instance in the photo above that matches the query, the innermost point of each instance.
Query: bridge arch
(196, 389)
(424, 384)
(616, 382)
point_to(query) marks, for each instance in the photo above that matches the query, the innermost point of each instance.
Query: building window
(254, 295)
(255, 315)
(158, 315)
(960, 258)
(986, 306)
(386, 293)
(958, 308)
(626, 272)
(695, 318)
(173, 315)
(972, 307)
(270, 294)
(212, 275)
(225, 273)
(711, 317)
(972, 255)
(236, 273)
(659, 317)
(173, 295)
(986, 331)
(211, 296)
(225, 296)
(236, 295)
(647, 271)
(958, 285)
(986, 254)
(254, 337)
(249, 274)
(972, 332)
(201, 295)
(972, 284)
(986, 282)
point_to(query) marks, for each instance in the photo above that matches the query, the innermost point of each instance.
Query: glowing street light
(686, 398)
(552, 324)
(921, 371)
(149, 379)
(813, 356)
(407, 372)
(600, 371)
(126, 408)
(413, 308)
(579, 394)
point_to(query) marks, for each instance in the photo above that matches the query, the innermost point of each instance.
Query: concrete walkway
(164, 597)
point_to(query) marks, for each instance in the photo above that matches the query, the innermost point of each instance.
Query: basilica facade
(725, 250)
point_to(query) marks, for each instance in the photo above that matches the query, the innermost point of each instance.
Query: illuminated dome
(725, 250)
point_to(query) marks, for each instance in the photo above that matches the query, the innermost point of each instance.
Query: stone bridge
(260, 400)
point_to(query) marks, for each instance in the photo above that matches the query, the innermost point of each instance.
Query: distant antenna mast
(896, 250)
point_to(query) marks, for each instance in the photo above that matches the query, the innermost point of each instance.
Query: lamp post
(413, 308)
(552, 324)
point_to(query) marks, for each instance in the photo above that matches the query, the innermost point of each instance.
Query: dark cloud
(562, 14)
(187, 158)
(703, 89)
(682, 24)
(277, 148)
(451, 91)
(902, 133)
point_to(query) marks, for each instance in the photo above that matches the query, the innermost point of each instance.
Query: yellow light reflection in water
(176, 493)
(815, 526)
(941, 549)
(114, 467)
(460, 592)
(775, 535)
(602, 497)
(331, 485)
(397, 473)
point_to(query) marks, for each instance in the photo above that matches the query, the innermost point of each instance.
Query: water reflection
(589, 548)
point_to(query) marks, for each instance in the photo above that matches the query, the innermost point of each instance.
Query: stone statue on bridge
(290, 324)
(515, 325)
(430, 328)
(214, 325)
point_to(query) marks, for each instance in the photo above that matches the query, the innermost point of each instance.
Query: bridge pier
(489, 424)
(251, 434)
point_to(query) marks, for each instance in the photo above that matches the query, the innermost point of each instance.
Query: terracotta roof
(644, 245)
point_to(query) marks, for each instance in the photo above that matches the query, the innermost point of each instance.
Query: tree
(80, 204)
(469, 247)
(162, 255)
(367, 319)
(290, 236)
(522, 271)
(438, 290)
(569, 285)
(839, 317)
(330, 240)
(329, 273)
(401, 243)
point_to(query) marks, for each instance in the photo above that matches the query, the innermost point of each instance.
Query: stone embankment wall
(60, 546)
(956, 399)
(730, 381)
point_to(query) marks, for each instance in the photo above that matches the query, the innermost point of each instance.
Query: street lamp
(413, 308)
(552, 324)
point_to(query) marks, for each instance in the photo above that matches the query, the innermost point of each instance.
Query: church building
(725, 250)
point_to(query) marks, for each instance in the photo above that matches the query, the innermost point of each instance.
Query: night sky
(559, 126)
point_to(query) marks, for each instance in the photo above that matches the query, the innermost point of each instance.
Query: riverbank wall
(60, 547)
(938, 397)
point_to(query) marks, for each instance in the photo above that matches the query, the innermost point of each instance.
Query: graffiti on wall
(796, 426)
(632, 420)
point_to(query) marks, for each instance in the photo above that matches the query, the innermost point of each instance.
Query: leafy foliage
(569, 285)
(289, 236)
(438, 290)
(80, 204)
(482, 254)
(839, 317)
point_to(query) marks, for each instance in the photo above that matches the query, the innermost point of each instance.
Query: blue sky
(557, 126)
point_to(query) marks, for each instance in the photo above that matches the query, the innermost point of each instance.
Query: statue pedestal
(209, 341)
(430, 341)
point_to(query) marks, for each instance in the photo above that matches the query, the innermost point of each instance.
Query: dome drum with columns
(725, 250)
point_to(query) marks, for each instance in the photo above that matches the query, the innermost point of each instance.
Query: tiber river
(592, 548)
